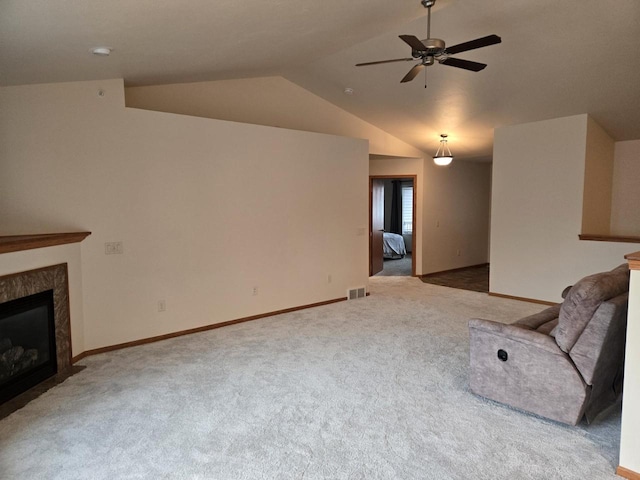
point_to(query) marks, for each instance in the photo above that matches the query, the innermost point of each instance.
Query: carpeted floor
(471, 278)
(400, 267)
(374, 388)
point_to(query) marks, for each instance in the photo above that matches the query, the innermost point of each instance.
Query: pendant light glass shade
(443, 156)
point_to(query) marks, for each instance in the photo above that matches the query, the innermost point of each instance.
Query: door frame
(415, 189)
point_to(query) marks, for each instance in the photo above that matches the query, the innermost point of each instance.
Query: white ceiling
(558, 57)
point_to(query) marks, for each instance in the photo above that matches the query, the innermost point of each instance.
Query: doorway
(392, 223)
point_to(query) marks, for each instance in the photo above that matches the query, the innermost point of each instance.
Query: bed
(393, 246)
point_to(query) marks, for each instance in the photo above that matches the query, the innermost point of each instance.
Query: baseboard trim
(626, 473)
(205, 328)
(523, 299)
(461, 269)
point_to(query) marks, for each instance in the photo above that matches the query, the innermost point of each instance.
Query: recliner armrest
(539, 320)
(518, 334)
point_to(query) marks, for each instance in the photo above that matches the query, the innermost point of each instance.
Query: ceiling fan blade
(466, 64)
(413, 42)
(384, 61)
(412, 73)
(473, 44)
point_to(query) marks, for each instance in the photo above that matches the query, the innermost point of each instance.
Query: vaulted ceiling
(557, 58)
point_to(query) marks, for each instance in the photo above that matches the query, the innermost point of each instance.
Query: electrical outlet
(458, 253)
(255, 291)
(162, 306)
(329, 278)
(113, 248)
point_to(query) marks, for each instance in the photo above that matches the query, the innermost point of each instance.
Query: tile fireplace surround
(21, 284)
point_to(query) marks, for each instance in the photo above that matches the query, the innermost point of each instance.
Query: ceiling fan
(430, 50)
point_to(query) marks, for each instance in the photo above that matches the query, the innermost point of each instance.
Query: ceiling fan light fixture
(443, 155)
(442, 161)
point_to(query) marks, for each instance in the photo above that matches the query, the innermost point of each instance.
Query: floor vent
(354, 293)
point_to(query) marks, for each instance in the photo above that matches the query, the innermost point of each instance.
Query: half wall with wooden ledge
(629, 437)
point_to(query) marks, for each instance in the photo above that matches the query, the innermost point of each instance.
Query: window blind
(407, 209)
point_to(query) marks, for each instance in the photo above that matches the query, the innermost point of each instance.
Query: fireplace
(27, 343)
(35, 335)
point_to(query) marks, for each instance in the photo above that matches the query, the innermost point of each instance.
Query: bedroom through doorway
(392, 222)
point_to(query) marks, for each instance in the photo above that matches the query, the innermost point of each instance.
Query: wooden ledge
(634, 260)
(17, 243)
(608, 238)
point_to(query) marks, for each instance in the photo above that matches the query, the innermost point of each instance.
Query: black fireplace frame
(33, 376)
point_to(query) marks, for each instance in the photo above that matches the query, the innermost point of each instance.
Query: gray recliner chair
(563, 363)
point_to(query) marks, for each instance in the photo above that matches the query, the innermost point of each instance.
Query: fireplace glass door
(27, 343)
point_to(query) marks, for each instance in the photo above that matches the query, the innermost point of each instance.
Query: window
(407, 209)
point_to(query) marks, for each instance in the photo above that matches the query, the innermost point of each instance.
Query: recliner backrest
(599, 351)
(584, 299)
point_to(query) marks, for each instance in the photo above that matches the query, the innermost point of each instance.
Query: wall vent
(354, 293)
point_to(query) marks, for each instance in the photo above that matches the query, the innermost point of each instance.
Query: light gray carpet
(374, 388)
(398, 267)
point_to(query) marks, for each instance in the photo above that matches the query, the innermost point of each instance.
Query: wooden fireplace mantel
(17, 243)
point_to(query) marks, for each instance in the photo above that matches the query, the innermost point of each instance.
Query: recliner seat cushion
(583, 300)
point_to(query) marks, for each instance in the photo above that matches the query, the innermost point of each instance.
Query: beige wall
(625, 215)
(598, 180)
(206, 209)
(272, 101)
(456, 215)
(538, 183)
(458, 196)
(630, 440)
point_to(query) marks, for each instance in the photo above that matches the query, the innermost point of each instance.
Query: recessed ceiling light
(101, 51)
(348, 91)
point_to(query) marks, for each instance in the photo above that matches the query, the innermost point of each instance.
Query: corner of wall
(537, 208)
(598, 180)
(625, 220)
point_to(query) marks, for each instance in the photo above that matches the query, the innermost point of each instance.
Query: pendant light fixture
(443, 156)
